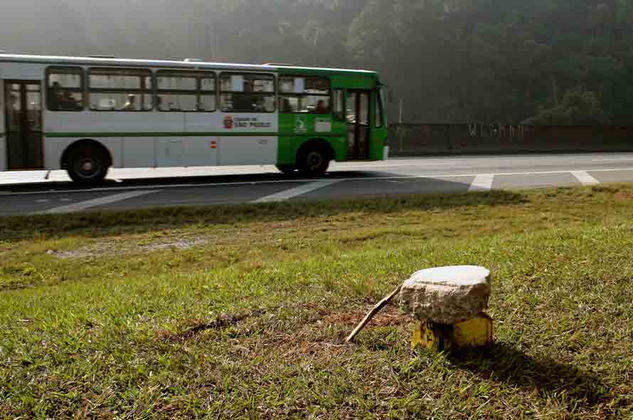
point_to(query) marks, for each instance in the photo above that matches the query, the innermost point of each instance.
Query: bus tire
(313, 160)
(286, 169)
(87, 164)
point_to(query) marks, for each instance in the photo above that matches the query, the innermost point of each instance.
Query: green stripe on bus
(225, 134)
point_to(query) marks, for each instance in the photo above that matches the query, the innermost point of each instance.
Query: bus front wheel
(87, 165)
(313, 161)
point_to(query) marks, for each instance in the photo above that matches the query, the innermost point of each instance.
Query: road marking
(611, 160)
(43, 200)
(585, 178)
(482, 183)
(298, 180)
(97, 202)
(295, 192)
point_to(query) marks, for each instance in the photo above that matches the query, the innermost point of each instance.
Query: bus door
(23, 119)
(358, 127)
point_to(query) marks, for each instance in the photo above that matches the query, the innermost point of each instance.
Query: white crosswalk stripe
(295, 192)
(585, 178)
(97, 202)
(482, 183)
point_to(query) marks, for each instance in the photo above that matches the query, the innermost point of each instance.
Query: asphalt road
(30, 192)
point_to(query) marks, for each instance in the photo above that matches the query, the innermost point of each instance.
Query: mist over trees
(508, 61)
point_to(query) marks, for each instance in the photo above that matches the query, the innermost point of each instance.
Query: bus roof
(188, 64)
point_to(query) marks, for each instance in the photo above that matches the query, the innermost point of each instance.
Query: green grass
(242, 311)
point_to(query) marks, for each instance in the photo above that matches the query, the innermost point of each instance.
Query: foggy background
(506, 61)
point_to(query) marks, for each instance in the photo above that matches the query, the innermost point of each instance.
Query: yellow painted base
(475, 332)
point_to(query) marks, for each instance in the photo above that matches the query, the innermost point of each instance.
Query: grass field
(242, 311)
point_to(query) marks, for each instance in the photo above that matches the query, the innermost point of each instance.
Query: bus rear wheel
(87, 165)
(313, 161)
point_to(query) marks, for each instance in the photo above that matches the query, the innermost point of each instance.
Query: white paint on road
(474, 164)
(612, 160)
(294, 181)
(68, 192)
(585, 178)
(97, 202)
(482, 183)
(297, 191)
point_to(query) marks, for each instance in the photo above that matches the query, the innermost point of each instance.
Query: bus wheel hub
(87, 166)
(314, 160)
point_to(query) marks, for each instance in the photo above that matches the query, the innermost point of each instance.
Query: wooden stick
(372, 313)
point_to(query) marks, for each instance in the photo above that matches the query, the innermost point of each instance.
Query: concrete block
(446, 295)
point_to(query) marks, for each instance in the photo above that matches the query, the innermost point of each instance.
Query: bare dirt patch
(107, 247)
(194, 327)
(180, 239)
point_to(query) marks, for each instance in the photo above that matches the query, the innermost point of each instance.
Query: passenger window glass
(206, 103)
(287, 85)
(262, 86)
(114, 101)
(115, 81)
(175, 83)
(65, 89)
(207, 84)
(317, 85)
(176, 102)
(187, 91)
(65, 80)
(120, 89)
(310, 104)
(247, 92)
(305, 95)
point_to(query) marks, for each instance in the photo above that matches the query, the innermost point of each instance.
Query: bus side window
(64, 88)
(304, 95)
(247, 92)
(185, 91)
(117, 89)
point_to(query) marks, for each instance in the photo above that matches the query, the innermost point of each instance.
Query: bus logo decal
(301, 124)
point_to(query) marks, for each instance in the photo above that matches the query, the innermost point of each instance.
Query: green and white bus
(87, 114)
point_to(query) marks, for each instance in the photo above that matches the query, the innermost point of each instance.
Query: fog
(511, 61)
(223, 30)
(125, 28)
